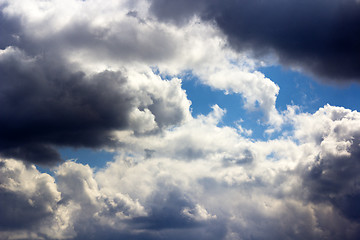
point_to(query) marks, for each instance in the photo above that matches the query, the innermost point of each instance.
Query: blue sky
(165, 119)
(299, 89)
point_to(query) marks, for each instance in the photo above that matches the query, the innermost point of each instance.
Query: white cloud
(198, 213)
(94, 38)
(236, 188)
(29, 203)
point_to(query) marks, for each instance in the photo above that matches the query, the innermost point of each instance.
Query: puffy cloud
(87, 74)
(332, 175)
(88, 38)
(296, 187)
(312, 35)
(29, 203)
(46, 105)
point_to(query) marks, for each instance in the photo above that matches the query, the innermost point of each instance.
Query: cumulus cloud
(29, 204)
(332, 176)
(296, 187)
(74, 80)
(91, 40)
(46, 105)
(312, 35)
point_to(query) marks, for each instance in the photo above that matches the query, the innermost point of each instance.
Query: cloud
(84, 75)
(287, 188)
(29, 203)
(46, 105)
(332, 176)
(90, 40)
(312, 36)
(95, 75)
(296, 187)
(279, 187)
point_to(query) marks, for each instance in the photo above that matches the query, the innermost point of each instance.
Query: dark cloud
(321, 37)
(17, 212)
(45, 105)
(166, 211)
(165, 218)
(47, 102)
(9, 30)
(33, 152)
(334, 179)
(27, 198)
(177, 11)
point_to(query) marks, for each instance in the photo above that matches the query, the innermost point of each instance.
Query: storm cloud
(45, 105)
(319, 37)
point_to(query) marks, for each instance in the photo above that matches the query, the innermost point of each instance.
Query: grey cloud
(18, 213)
(10, 29)
(45, 105)
(123, 41)
(245, 160)
(177, 11)
(166, 212)
(127, 40)
(242, 211)
(33, 152)
(334, 179)
(98, 215)
(330, 176)
(48, 102)
(167, 221)
(28, 200)
(322, 37)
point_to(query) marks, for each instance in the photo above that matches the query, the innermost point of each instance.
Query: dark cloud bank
(321, 37)
(43, 104)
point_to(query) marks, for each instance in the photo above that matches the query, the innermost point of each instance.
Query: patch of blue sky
(295, 89)
(303, 91)
(203, 97)
(94, 158)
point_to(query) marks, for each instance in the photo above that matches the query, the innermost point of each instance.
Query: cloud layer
(89, 74)
(274, 189)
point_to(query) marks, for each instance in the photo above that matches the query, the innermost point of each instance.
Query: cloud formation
(314, 36)
(109, 76)
(46, 105)
(283, 190)
(76, 79)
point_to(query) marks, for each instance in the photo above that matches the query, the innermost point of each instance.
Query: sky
(164, 119)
